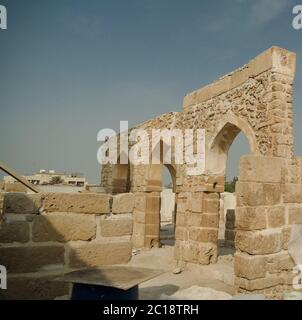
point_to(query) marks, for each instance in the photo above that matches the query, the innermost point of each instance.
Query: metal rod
(16, 176)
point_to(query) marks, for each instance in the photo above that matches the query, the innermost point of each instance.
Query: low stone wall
(43, 236)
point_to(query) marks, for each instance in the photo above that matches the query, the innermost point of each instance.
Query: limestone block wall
(44, 235)
(268, 203)
(197, 223)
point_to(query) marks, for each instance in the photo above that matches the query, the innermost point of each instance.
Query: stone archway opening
(227, 212)
(168, 207)
(161, 215)
(233, 140)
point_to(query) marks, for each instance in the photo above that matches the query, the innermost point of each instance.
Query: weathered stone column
(262, 262)
(146, 184)
(197, 220)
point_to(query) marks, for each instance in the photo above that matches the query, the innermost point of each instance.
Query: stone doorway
(167, 208)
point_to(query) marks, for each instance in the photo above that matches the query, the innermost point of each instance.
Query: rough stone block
(138, 241)
(250, 267)
(22, 203)
(152, 229)
(123, 203)
(31, 258)
(259, 242)
(78, 203)
(201, 253)
(63, 227)
(275, 217)
(271, 194)
(196, 204)
(139, 217)
(295, 215)
(210, 206)
(14, 231)
(249, 218)
(153, 204)
(140, 203)
(203, 235)
(152, 218)
(181, 234)
(34, 288)
(183, 205)
(279, 262)
(98, 254)
(210, 220)
(257, 194)
(116, 227)
(292, 193)
(193, 219)
(260, 169)
(181, 219)
(259, 284)
(286, 234)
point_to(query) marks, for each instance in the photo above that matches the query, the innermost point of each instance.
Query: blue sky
(72, 67)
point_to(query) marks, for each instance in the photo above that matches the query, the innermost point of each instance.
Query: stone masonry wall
(43, 236)
(255, 99)
(268, 204)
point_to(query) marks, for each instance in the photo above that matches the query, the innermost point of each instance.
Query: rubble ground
(218, 276)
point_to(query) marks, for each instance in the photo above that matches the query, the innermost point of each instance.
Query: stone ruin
(256, 100)
(45, 235)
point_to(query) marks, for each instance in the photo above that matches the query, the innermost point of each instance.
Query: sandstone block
(193, 219)
(152, 218)
(153, 204)
(295, 215)
(31, 258)
(14, 231)
(63, 227)
(260, 169)
(22, 203)
(78, 203)
(292, 193)
(279, 262)
(259, 242)
(34, 288)
(210, 220)
(139, 216)
(140, 202)
(259, 284)
(181, 219)
(210, 206)
(286, 234)
(203, 235)
(123, 203)
(116, 227)
(98, 254)
(196, 204)
(275, 217)
(257, 194)
(181, 234)
(201, 253)
(152, 229)
(249, 218)
(250, 267)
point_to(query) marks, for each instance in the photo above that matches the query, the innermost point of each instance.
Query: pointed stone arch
(220, 142)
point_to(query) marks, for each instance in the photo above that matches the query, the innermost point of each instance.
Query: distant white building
(47, 178)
